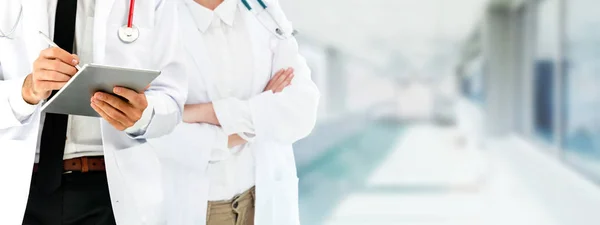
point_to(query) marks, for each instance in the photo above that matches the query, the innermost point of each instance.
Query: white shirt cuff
(220, 150)
(139, 128)
(235, 117)
(20, 107)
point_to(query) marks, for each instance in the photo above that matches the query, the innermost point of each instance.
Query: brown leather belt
(81, 164)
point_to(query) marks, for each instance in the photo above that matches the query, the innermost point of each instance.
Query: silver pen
(51, 43)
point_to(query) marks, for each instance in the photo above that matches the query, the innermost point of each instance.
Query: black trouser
(82, 199)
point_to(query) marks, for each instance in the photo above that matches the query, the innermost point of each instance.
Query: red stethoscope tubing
(131, 10)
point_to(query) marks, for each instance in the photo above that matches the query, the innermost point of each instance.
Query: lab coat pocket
(138, 54)
(185, 146)
(141, 175)
(285, 202)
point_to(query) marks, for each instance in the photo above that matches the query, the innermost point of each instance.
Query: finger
(291, 71)
(136, 99)
(277, 81)
(126, 108)
(289, 79)
(60, 54)
(113, 113)
(284, 75)
(110, 120)
(76, 58)
(280, 88)
(56, 65)
(41, 85)
(278, 74)
(280, 81)
(47, 75)
(285, 83)
(275, 77)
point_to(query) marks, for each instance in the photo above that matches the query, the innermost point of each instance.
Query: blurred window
(581, 132)
(545, 63)
(474, 81)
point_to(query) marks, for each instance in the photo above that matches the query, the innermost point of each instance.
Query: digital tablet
(74, 97)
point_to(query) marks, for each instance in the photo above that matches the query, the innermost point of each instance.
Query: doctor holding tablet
(60, 169)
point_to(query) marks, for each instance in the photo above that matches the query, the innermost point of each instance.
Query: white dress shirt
(84, 136)
(228, 46)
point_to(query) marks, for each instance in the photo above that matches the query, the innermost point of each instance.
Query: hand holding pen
(54, 45)
(51, 71)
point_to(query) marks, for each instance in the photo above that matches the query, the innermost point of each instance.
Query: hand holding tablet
(121, 110)
(76, 95)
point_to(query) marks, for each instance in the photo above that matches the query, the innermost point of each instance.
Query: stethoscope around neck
(278, 30)
(11, 32)
(128, 33)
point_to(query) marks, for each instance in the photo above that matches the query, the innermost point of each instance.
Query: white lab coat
(132, 165)
(279, 120)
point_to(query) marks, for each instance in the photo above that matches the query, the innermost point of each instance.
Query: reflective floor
(417, 173)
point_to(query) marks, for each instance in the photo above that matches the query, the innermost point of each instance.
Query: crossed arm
(205, 112)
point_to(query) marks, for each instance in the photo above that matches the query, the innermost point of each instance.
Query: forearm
(285, 116)
(288, 116)
(200, 113)
(205, 113)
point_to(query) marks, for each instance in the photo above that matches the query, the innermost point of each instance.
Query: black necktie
(52, 144)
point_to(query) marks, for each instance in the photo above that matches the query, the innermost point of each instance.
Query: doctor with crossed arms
(250, 98)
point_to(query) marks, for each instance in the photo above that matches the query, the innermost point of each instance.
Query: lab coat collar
(203, 17)
(226, 11)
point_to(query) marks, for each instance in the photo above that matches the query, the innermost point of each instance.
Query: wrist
(235, 140)
(27, 92)
(191, 114)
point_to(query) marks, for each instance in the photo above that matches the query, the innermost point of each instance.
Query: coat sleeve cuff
(235, 117)
(220, 150)
(20, 107)
(140, 127)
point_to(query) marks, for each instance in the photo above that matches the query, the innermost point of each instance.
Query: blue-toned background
(451, 112)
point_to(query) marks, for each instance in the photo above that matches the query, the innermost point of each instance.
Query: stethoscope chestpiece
(128, 34)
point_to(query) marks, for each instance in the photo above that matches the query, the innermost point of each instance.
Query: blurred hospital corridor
(463, 112)
(428, 174)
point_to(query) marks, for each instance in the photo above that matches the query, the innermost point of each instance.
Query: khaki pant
(237, 211)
